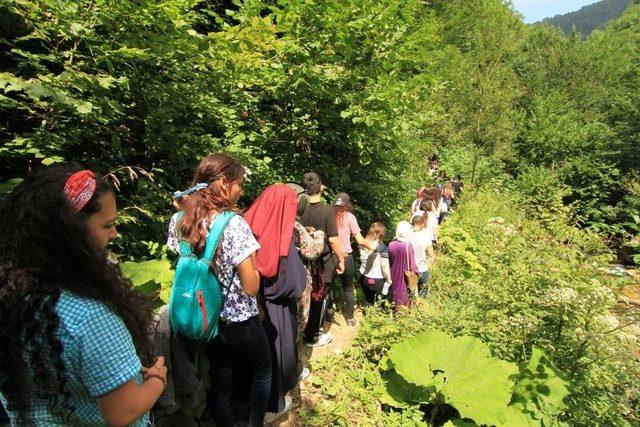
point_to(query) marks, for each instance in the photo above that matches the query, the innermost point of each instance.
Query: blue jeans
(252, 350)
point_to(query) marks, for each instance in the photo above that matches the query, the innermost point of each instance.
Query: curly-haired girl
(73, 331)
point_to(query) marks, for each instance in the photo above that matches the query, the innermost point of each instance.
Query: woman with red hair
(347, 227)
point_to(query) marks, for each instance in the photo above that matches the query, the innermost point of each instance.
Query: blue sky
(536, 10)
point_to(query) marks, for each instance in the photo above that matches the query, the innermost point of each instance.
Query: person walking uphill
(348, 226)
(73, 331)
(272, 218)
(241, 341)
(321, 217)
(401, 258)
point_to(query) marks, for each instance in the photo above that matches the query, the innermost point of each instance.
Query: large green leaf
(543, 384)
(140, 273)
(398, 392)
(459, 423)
(516, 418)
(461, 369)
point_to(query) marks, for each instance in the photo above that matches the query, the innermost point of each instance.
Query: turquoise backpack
(196, 300)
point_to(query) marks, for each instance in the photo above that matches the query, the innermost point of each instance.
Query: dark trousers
(318, 309)
(316, 317)
(346, 279)
(245, 345)
(372, 289)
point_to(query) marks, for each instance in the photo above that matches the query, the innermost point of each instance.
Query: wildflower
(558, 297)
(607, 321)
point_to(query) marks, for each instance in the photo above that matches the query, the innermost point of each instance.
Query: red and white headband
(79, 189)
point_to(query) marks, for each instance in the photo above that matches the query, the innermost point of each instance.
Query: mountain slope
(591, 17)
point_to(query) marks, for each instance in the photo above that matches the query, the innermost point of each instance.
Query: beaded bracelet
(161, 378)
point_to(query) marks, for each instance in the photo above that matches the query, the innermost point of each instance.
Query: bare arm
(249, 275)
(386, 271)
(431, 253)
(334, 242)
(127, 403)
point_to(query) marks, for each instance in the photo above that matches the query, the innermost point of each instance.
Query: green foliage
(283, 87)
(542, 193)
(580, 119)
(153, 277)
(543, 287)
(540, 287)
(540, 389)
(457, 371)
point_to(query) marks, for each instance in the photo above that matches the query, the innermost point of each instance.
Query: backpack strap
(215, 233)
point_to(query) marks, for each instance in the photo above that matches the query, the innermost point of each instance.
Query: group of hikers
(82, 347)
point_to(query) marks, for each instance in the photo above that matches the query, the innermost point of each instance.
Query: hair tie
(79, 189)
(199, 186)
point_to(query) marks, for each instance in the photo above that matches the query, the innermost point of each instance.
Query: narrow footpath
(304, 395)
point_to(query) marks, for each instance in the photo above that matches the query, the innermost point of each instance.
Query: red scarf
(271, 218)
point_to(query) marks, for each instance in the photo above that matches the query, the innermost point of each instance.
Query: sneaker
(351, 322)
(270, 417)
(304, 374)
(323, 339)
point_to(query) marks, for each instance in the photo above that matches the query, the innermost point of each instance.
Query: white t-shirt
(442, 206)
(370, 261)
(432, 223)
(421, 240)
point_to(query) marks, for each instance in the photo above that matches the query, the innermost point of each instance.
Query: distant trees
(590, 17)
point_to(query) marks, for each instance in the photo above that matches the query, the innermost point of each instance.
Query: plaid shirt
(98, 356)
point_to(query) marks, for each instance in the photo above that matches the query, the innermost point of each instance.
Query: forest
(590, 17)
(543, 127)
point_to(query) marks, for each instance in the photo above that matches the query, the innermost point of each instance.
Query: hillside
(591, 17)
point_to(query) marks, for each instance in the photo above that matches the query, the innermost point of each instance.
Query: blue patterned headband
(199, 186)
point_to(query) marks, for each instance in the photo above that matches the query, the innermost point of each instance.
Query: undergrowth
(514, 283)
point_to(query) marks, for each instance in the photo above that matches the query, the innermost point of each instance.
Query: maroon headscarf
(271, 218)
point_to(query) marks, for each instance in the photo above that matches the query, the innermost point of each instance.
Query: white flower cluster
(498, 223)
(629, 336)
(628, 339)
(606, 321)
(559, 297)
(497, 220)
(521, 322)
(601, 294)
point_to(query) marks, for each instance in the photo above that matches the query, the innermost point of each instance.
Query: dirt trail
(303, 395)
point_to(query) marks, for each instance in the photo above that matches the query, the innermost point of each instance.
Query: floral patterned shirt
(236, 245)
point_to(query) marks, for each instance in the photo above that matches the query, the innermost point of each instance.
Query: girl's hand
(158, 368)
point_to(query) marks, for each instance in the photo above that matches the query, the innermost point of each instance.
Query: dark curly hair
(46, 249)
